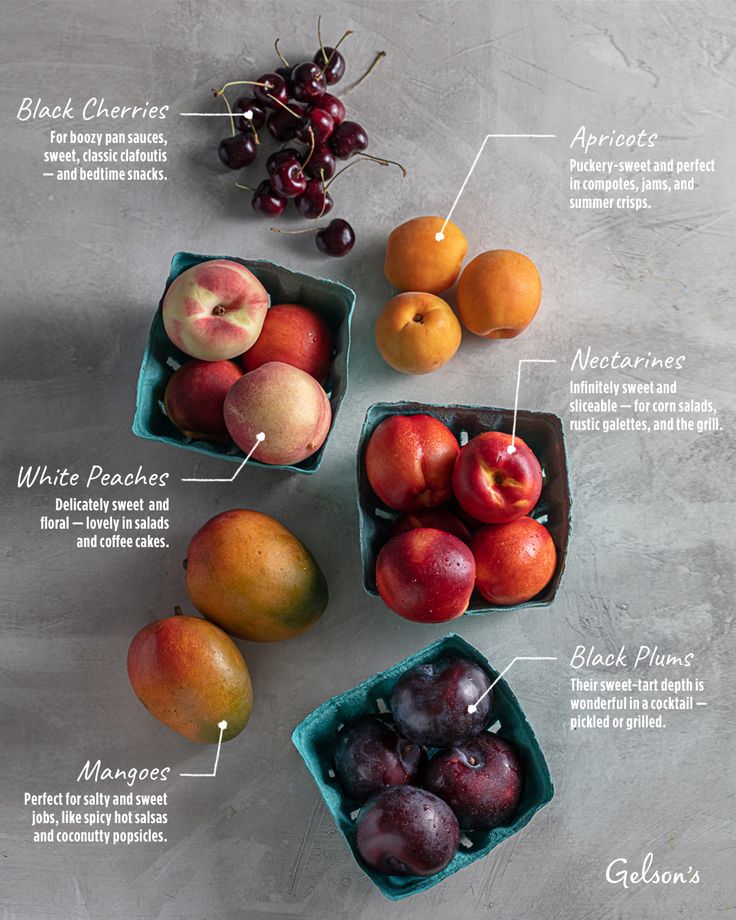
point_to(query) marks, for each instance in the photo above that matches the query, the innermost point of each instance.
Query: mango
(191, 676)
(249, 574)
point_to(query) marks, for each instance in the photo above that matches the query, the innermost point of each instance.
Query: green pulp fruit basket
(314, 738)
(333, 301)
(542, 431)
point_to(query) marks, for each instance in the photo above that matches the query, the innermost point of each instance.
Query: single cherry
(308, 82)
(281, 156)
(321, 125)
(321, 164)
(334, 69)
(284, 72)
(282, 125)
(266, 202)
(333, 106)
(274, 85)
(315, 202)
(347, 138)
(288, 179)
(250, 107)
(337, 238)
(237, 152)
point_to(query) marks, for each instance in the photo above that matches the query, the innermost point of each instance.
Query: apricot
(249, 574)
(284, 403)
(417, 261)
(498, 294)
(409, 461)
(426, 575)
(195, 396)
(190, 675)
(514, 561)
(417, 333)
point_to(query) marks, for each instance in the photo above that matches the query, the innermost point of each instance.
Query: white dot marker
(222, 725)
(260, 436)
(248, 114)
(439, 236)
(511, 449)
(472, 708)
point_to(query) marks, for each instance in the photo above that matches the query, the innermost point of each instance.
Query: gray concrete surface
(653, 548)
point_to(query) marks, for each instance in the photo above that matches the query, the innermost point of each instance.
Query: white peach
(215, 310)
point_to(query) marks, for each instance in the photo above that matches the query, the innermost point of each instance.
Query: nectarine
(409, 461)
(494, 483)
(514, 561)
(426, 575)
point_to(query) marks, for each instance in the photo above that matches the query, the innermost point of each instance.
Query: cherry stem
(230, 113)
(384, 162)
(303, 230)
(221, 90)
(321, 43)
(376, 59)
(243, 185)
(311, 150)
(281, 57)
(324, 194)
(284, 106)
(328, 60)
(367, 156)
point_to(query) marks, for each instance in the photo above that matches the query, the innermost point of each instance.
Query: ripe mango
(190, 675)
(251, 575)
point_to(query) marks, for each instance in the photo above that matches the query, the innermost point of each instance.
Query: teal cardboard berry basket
(333, 301)
(314, 738)
(542, 431)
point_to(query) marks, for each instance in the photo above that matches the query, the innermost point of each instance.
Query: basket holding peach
(431, 563)
(271, 397)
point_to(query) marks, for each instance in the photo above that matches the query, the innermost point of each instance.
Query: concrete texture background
(652, 554)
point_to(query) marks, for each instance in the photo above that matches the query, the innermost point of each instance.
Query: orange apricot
(417, 261)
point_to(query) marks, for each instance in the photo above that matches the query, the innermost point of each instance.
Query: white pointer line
(474, 706)
(511, 449)
(440, 235)
(260, 437)
(222, 726)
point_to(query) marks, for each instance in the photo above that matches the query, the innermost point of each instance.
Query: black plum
(407, 831)
(481, 780)
(370, 754)
(430, 702)
(238, 151)
(337, 238)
